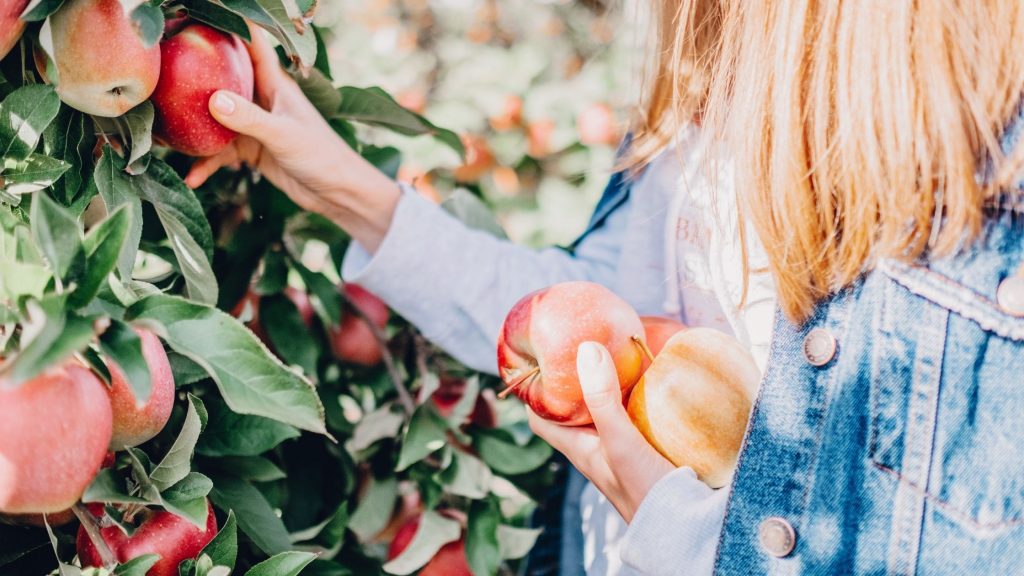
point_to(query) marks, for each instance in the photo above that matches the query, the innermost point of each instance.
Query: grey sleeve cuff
(676, 529)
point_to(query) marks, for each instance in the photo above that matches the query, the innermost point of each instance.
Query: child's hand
(612, 454)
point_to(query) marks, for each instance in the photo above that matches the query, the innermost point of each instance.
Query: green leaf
(255, 516)
(283, 564)
(250, 379)
(109, 487)
(103, 245)
(252, 468)
(116, 189)
(388, 159)
(187, 498)
(292, 339)
(472, 212)
(324, 295)
(323, 62)
(149, 21)
(209, 13)
(319, 91)
(59, 335)
(223, 549)
(504, 456)
(135, 126)
(482, 550)
(31, 174)
(137, 566)
(375, 426)
(57, 234)
(434, 532)
(123, 346)
(186, 225)
(273, 16)
(231, 434)
(467, 476)
(376, 107)
(176, 464)
(426, 434)
(329, 534)
(373, 512)
(516, 543)
(69, 138)
(24, 115)
(39, 9)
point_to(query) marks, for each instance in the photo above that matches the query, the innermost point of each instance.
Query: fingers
(264, 59)
(603, 396)
(203, 168)
(242, 116)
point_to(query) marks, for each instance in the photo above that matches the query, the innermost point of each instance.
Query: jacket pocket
(947, 391)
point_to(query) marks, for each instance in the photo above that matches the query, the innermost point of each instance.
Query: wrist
(364, 205)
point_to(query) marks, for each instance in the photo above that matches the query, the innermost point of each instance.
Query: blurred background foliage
(539, 90)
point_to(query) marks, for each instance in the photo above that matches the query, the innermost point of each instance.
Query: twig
(389, 360)
(643, 347)
(522, 380)
(92, 529)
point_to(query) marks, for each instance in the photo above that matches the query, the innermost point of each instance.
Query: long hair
(860, 128)
(685, 40)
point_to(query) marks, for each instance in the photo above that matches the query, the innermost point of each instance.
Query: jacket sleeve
(457, 284)
(675, 531)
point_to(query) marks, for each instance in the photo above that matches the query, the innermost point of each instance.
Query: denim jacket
(887, 437)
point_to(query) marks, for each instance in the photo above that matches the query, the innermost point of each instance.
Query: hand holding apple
(313, 166)
(612, 454)
(196, 62)
(538, 343)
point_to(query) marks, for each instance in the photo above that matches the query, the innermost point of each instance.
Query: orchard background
(315, 436)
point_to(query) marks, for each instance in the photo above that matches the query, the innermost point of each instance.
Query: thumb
(601, 392)
(242, 116)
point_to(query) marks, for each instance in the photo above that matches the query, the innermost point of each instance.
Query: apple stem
(404, 397)
(92, 529)
(643, 347)
(522, 380)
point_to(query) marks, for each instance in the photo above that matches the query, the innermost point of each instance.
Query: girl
(648, 240)
(878, 155)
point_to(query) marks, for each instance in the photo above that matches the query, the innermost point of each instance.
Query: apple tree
(263, 417)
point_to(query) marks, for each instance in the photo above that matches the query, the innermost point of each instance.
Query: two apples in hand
(688, 391)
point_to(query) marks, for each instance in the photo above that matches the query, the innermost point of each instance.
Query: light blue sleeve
(457, 284)
(675, 531)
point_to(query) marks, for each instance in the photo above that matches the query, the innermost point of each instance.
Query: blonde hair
(859, 128)
(685, 37)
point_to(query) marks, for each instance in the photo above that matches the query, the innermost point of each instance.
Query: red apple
(450, 393)
(450, 560)
(537, 346)
(172, 537)
(11, 26)
(694, 401)
(197, 62)
(539, 135)
(408, 506)
(479, 159)
(54, 433)
(596, 124)
(353, 340)
(658, 330)
(134, 424)
(102, 66)
(37, 520)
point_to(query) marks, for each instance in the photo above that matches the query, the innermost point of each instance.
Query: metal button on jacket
(1010, 295)
(819, 347)
(776, 536)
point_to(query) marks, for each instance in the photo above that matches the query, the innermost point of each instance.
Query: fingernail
(588, 354)
(223, 104)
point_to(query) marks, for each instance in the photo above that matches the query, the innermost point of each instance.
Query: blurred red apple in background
(445, 398)
(596, 124)
(134, 424)
(173, 538)
(450, 560)
(102, 66)
(353, 340)
(537, 346)
(197, 62)
(11, 26)
(54, 433)
(694, 401)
